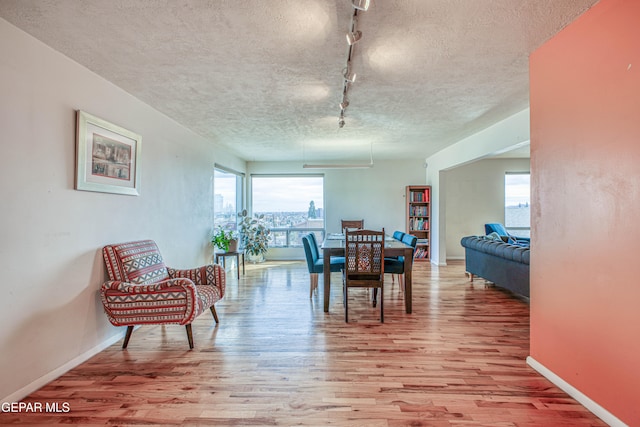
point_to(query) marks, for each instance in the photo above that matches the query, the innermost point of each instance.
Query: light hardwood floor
(276, 359)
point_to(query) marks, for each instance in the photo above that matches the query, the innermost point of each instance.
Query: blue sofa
(502, 263)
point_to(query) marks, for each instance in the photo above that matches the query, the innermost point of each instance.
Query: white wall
(51, 234)
(475, 196)
(377, 194)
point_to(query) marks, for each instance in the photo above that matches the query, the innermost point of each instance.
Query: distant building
(218, 202)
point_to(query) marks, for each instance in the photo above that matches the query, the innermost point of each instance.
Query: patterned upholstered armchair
(143, 291)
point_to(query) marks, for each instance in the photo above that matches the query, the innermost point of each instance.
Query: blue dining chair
(398, 235)
(314, 242)
(395, 266)
(315, 262)
(410, 240)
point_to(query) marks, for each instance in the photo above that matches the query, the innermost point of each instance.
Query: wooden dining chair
(351, 224)
(364, 264)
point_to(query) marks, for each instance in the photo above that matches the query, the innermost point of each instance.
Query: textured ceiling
(264, 78)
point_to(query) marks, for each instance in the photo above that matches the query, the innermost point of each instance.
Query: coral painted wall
(585, 170)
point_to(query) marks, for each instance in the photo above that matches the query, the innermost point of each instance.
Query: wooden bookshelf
(418, 201)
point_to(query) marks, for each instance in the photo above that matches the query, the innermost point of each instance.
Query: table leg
(327, 279)
(408, 263)
(242, 254)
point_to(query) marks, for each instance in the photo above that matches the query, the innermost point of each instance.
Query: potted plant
(254, 234)
(225, 240)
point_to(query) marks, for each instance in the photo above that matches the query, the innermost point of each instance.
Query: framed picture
(107, 157)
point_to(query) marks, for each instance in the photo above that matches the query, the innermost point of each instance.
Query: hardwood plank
(277, 359)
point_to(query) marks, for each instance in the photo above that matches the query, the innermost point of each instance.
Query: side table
(237, 254)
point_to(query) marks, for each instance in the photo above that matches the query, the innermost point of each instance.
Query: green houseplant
(254, 234)
(225, 240)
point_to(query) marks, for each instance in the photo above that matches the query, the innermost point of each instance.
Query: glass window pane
(292, 206)
(226, 199)
(517, 214)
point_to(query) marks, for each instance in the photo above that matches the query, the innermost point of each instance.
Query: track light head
(354, 37)
(344, 104)
(349, 75)
(361, 4)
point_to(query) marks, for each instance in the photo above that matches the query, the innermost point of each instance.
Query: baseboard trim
(585, 401)
(47, 378)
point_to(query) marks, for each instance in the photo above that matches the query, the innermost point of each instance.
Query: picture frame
(107, 156)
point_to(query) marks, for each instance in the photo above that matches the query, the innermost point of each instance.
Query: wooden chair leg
(401, 282)
(382, 305)
(313, 283)
(346, 304)
(189, 335)
(127, 336)
(375, 297)
(215, 315)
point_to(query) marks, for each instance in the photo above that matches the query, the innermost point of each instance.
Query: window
(517, 198)
(227, 198)
(292, 206)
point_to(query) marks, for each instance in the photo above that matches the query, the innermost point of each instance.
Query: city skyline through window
(227, 198)
(292, 206)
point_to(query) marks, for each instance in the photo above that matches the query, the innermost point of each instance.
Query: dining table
(334, 245)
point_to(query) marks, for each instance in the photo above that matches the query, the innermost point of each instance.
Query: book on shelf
(419, 196)
(418, 211)
(421, 253)
(418, 224)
